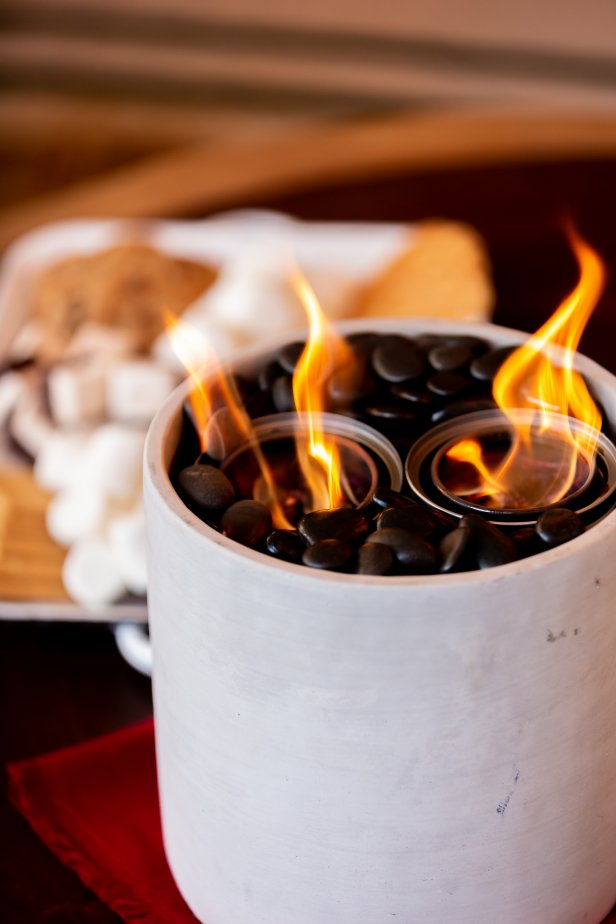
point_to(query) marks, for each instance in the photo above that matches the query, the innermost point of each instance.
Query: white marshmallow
(127, 543)
(108, 480)
(12, 387)
(100, 342)
(254, 295)
(59, 462)
(253, 308)
(77, 386)
(91, 575)
(30, 425)
(76, 513)
(77, 392)
(136, 388)
(112, 461)
(268, 259)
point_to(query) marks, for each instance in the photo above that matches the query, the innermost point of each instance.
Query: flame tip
(531, 377)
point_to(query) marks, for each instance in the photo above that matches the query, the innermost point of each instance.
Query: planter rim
(157, 477)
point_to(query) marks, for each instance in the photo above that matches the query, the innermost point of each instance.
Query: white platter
(354, 250)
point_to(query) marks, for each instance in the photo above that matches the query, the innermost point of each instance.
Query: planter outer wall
(342, 750)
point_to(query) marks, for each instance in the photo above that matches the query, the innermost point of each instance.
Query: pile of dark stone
(401, 387)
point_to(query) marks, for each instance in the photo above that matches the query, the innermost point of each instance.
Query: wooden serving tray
(30, 561)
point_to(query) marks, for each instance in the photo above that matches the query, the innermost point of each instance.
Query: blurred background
(90, 85)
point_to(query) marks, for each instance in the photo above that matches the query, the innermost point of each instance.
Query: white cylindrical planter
(336, 749)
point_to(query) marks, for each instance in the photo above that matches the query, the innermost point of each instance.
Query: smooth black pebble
(416, 395)
(485, 367)
(453, 548)
(419, 520)
(392, 413)
(343, 523)
(350, 383)
(286, 544)
(458, 408)
(246, 521)
(474, 344)
(491, 546)
(374, 558)
(386, 497)
(559, 525)
(449, 357)
(414, 553)
(427, 342)
(447, 384)
(397, 360)
(329, 554)
(363, 342)
(207, 487)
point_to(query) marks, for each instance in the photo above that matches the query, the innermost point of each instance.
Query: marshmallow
(91, 575)
(76, 513)
(100, 342)
(29, 424)
(127, 543)
(77, 386)
(12, 387)
(112, 461)
(59, 462)
(253, 308)
(136, 388)
(268, 259)
(109, 476)
(254, 294)
(77, 392)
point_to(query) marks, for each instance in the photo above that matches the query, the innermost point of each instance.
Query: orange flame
(192, 348)
(540, 375)
(324, 354)
(470, 452)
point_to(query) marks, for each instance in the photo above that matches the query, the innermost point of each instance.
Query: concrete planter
(343, 750)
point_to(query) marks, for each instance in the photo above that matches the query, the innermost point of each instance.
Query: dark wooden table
(61, 684)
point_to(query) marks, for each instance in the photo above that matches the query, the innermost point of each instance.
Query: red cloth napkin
(96, 806)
